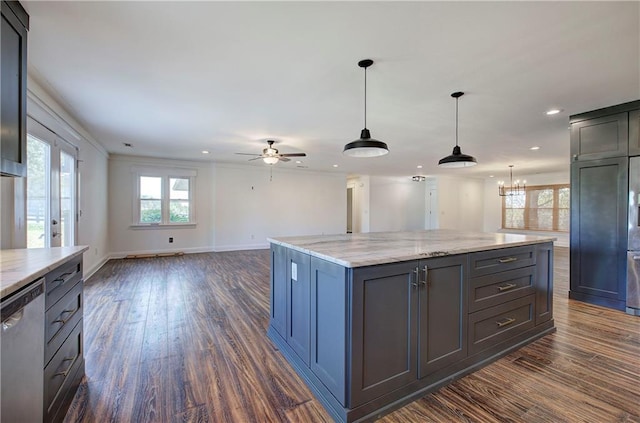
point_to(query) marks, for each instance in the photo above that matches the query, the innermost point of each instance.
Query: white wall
(460, 203)
(396, 204)
(493, 202)
(124, 240)
(237, 207)
(249, 207)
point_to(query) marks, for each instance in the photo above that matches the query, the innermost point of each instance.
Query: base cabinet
(386, 334)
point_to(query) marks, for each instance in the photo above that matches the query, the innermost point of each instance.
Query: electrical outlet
(252, 236)
(170, 239)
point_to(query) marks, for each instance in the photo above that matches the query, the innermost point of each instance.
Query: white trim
(193, 250)
(189, 225)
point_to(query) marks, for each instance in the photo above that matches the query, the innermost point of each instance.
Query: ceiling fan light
(457, 159)
(270, 160)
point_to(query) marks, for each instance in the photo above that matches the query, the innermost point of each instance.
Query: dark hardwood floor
(182, 339)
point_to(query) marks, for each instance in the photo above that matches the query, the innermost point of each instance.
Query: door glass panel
(67, 199)
(38, 193)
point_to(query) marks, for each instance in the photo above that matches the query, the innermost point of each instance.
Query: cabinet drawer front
(496, 324)
(494, 261)
(61, 319)
(62, 366)
(61, 280)
(491, 290)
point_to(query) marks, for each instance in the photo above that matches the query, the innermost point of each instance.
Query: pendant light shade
(365, 146)
(457, 159)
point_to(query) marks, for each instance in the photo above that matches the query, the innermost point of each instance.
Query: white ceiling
(175, 78)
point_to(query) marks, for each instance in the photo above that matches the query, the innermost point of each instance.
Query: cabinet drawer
(494, 261)
(61, 368)
(497, 288)
(493, 325)
(61, 280)
(60, 320)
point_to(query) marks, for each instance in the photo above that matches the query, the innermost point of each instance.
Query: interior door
(51, 188)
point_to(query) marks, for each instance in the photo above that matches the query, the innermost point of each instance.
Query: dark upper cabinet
(634, 133)
(599, 190)
(600, 138)
(13, 75)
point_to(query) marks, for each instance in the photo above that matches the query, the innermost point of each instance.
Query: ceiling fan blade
(255, 158)
(284, 159)
(248, 154)
(294, 155)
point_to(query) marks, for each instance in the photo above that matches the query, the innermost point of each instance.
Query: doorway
(51, 188)
(349, 210)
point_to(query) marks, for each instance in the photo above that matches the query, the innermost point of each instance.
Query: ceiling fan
(271, 155)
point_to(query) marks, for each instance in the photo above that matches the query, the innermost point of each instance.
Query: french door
(51, 188)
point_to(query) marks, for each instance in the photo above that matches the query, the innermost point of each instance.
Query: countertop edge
(410, 257)
(32, 277)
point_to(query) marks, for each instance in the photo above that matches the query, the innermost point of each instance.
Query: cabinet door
(13, 73)
(279, 289)
(298, 303)
(442, 328)
(600, 138)
(599, 231)
(634, 133)
(544, 282)
(383, 319)
(329, 325)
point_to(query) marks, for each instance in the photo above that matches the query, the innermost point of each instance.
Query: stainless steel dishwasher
(22, 355)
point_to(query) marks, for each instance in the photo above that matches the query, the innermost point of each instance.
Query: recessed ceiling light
(335, 165)
(491, 176)
(535, 147)
(419, 166)
(205, 151)
(298, 162)
(553, 111)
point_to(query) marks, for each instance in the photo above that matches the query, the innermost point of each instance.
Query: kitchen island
(374, 321)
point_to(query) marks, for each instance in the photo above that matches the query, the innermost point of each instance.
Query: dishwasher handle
(11, 310)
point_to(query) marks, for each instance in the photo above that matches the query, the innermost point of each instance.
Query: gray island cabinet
(374, 321)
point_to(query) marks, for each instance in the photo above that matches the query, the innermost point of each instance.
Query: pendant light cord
(456, 121)
(365, 98)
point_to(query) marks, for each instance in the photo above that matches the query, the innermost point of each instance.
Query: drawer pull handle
(506, 287)
(508, 260)
(505, 322)
(64, 321)
(66, 372)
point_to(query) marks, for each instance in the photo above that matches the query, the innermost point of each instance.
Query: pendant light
(457, 159)
(365, 146)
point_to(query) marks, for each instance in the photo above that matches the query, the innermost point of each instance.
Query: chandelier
(514, 187)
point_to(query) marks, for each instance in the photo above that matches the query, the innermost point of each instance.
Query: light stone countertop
(366, 249)
(20, 267)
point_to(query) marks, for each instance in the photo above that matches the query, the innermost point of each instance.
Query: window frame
(165, 200)
(555, 210)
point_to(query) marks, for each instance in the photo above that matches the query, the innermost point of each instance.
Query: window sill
(162, 225)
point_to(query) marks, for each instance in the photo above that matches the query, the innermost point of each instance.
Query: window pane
(178, 211)
(150, 211)
(563, 198)
(563, 219)
(541, 219)
(514, 218)
(179, 188)
(38, 183)
(150, 187)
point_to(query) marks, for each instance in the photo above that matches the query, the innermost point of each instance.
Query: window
(540, 208)
(163, 197)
